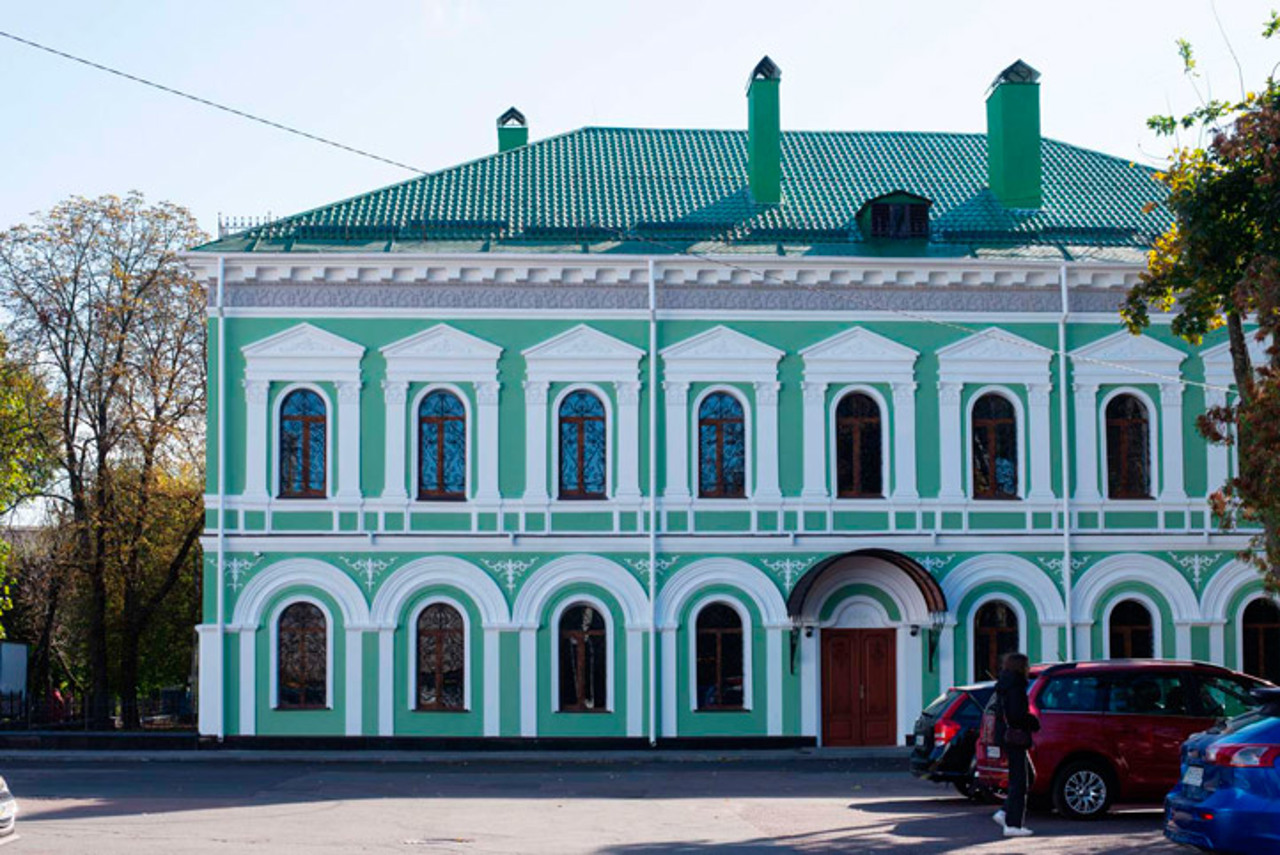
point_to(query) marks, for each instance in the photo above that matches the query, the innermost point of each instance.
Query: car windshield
(941, 703)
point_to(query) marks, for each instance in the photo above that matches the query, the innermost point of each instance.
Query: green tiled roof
(614, 189)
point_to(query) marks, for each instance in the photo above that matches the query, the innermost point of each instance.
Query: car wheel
(1082, 791)
(964, 787)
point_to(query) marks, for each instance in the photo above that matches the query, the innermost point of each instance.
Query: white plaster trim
(749, 441)
(492, 668)
(442, 353)
(1140, 352)
(1223, 586)
(211, 676)
(748, 642)
(971, 623)
(858, 356)
(300, 572)
(865, 569)
(670, 673)
(610, 673)
(773, 675)
(529, 681)
(248, 641)
(994, 356)
(610, 425)
(301, 353)
(411, 633)
(386, 681)
(720, 355)
(833, 455)
(687, 582)
(1020, 419)
(415, 447)
(1153, 613)
(446, 570)
(1239, 639)
(1154, 449)
(273, 649)
(1114, 570)
(859, 612)
(580, 569)
(276, 426)
(582, 354)
(1024, 576)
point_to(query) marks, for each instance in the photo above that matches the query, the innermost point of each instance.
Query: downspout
(653, 507)
(1063, 425)
(222, 495)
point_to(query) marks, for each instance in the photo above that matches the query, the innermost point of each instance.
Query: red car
(1112, 731)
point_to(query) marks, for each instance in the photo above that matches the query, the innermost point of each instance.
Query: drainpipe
(1063, 398)
(222, 495)
(653, 506)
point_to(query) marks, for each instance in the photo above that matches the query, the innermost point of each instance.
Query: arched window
(859, 473)
(995, 448)
(995, 633)
(583, 660)
(302, 650)
(722, 448)
(1131, 632)
(720, 658)
(1262, 640)
(583, 449)
(442, 447)
(302, 445)
(1128, 448)
(442, 650)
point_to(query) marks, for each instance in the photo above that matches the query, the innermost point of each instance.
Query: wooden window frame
(564, 636)
(989, 427)
(1119, 488)
(282, 634)
(718, 634)
(442, 636)
(719, 424)
(854, 425)
(580, 425)
(305, 448)
(441, 422)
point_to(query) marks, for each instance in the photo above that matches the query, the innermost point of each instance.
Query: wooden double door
(859, 687)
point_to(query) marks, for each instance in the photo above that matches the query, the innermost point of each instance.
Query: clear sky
(422, 81)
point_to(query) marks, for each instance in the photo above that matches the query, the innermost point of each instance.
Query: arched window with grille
(1131, 631)
(303, 455)
(583, 660)
(720, 658)
(1128, 448)
(442, 447)
(995, 448)
(302, 651)
(1261, 636)
(859, 447)
(722, 448)
(584, 462)
(442, 650)
(995, 633)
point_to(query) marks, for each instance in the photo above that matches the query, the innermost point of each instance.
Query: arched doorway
(1130, 630)
(995, 633)
(1261, 640)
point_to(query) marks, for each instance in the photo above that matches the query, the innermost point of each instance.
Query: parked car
(945, 735)
(8, 810)
(1228, 797)
(1113, 730)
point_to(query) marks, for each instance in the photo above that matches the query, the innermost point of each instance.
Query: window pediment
(1138, 351)
(583, 353)
(303, 352)
(994, 356)
(444, 353)
(1218, 370)
(722, 355)
(858, 355)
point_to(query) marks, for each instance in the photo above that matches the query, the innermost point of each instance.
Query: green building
(673, 434)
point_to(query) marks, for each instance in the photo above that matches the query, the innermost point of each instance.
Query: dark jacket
(1011, 697)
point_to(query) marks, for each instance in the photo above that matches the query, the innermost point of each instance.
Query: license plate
(1194, 776)
(993, 752)
(919, 740)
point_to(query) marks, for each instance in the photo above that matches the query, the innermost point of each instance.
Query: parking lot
(708, 804)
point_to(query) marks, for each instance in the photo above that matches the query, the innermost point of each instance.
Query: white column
(354, 681)
(1039, 444)
(946, 662)
(669, 677)
(815, 440)
(766, 429)
(773, 680)
(904, 441)
(950, 441)
(1181, 640)
(492, 681)
(394, 394)
(257, 430)
(1218, 643)
(348, 439)
(1086, 450)
(809, 683)
(535, 452)
(1171, 441)
(211, 679)
(1049, 649)
(528, 681)
(635, 682)
(486, 442)
(1083, 649)
(677, 444)
(628, 487)
(386, 681)
(248, 682)
(1218, 462)
(909, 672)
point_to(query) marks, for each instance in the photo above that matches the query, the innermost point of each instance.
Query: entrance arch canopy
(910, 584)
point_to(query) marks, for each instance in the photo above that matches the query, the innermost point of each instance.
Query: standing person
(1014, 726)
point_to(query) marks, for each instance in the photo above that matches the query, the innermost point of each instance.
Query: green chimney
(513, 131)
(764, 134)
(1013, 137)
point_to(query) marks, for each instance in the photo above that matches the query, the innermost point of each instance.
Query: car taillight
(1248, 756)
(945, 731)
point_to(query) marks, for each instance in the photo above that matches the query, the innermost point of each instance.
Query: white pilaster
(815, 440)
(386, 681)
(809, 683)
(354, 681)
(257, 432)
(635, 682)
(486, 441)
(1040, 447)
(773, 680)
(1083, 649)
(248, 682)
(1182, 639)
(1218, 459)
(211, 680)
(950, 441)
(528, 681)
(903, 422)
(946, 663)
(535, 426)
(1086, 451)
(1218, 643)
(677, 440)
(349, 439)
(766, 427)
(1049, 645)
(669, 673)
(492, 681)
(628, 392)
(1171, 441)
(394, 395)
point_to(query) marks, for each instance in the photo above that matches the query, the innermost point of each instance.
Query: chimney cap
(766, 69)
(512, 117)
(1019, 72)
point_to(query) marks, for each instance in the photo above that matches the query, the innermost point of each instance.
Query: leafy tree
(1219, 265)
(109, 317)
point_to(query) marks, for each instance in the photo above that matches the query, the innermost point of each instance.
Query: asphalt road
(626, 808)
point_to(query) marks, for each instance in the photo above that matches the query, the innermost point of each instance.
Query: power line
(207, 103)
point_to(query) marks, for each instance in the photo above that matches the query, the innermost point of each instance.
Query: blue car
(1228, 799)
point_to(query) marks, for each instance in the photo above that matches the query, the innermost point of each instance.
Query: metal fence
(166, 709)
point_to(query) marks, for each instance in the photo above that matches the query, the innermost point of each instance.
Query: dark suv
(945, 734)
(1113, 730)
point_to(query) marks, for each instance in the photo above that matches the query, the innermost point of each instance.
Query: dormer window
(895, 216)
